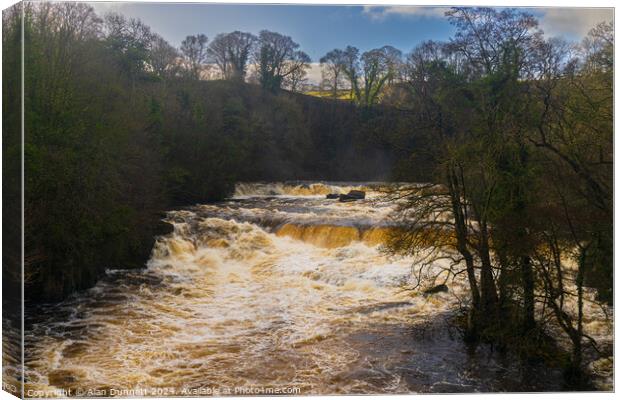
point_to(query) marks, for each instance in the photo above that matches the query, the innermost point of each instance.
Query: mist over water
(277, 286)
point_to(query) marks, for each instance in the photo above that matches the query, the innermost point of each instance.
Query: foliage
(279, 61)
(520, 135)
(231, 53)
(194, 48)
(117, 133)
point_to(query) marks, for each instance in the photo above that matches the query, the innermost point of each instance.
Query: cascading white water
(291, 290)
(298, 189)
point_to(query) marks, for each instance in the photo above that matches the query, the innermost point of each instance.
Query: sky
(319, 29)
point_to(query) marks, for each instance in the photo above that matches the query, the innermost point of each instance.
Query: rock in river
(352, 196)
(436, 289)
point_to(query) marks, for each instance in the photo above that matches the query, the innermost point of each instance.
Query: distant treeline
(112, 140)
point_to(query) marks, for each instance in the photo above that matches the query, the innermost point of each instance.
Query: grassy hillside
(340, 94)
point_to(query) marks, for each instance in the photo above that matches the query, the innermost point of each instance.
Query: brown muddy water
(277, 287)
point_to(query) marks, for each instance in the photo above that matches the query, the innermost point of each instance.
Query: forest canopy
(121, 126)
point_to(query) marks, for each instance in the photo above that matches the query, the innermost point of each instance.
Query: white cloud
(560, 21)
(378, 13)
(103, 7)
(314, 73)
(573, 21)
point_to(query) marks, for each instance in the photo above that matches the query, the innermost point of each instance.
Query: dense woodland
(513, 130)
(120, 127)
(519, 130)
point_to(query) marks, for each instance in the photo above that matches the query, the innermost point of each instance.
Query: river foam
(277, 286)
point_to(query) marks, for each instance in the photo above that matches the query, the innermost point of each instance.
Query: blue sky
(319, 29)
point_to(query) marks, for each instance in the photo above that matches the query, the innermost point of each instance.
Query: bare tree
(367, 74)
(351, 69)
(598, 47)
(521, 135)
(394, 62)
(277, 59)
(127, 35)
(231, 53)
(163, 58)
(297, 79)
(65, 28)
(333, 64)
(194, 49)
(483, 35)
(376, 71)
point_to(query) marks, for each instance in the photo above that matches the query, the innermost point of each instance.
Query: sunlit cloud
(560, 21)
(573, 21)
(314, 73)
(107, 7)
(378, 13)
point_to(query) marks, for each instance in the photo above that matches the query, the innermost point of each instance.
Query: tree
(163, 58)
(296, 80)
(129, 36)
(376, 71)
(483, 35)
(393, 60)
(520, 133)
(278, 58)
(597, 48)
(131, 40)
(497, 46)
(333, 64)
(441, 216)
(368, 74)
(351, 69)
(60, 33)
(194, 49)
(92, 172)
(231, 53)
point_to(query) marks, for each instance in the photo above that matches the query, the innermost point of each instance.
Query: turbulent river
(277, 288)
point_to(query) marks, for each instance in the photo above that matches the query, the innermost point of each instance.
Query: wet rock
(163, 228)
(436, 289)
(352, 196)
(357, 194)
(332, 196)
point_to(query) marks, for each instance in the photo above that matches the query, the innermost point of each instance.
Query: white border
(515, 3)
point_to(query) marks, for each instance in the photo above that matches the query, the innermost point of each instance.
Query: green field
(341, 94)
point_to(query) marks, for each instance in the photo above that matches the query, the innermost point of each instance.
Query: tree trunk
(488, 291)
(579, 282)
(460, 229)
(502, 280)
(527, 277)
